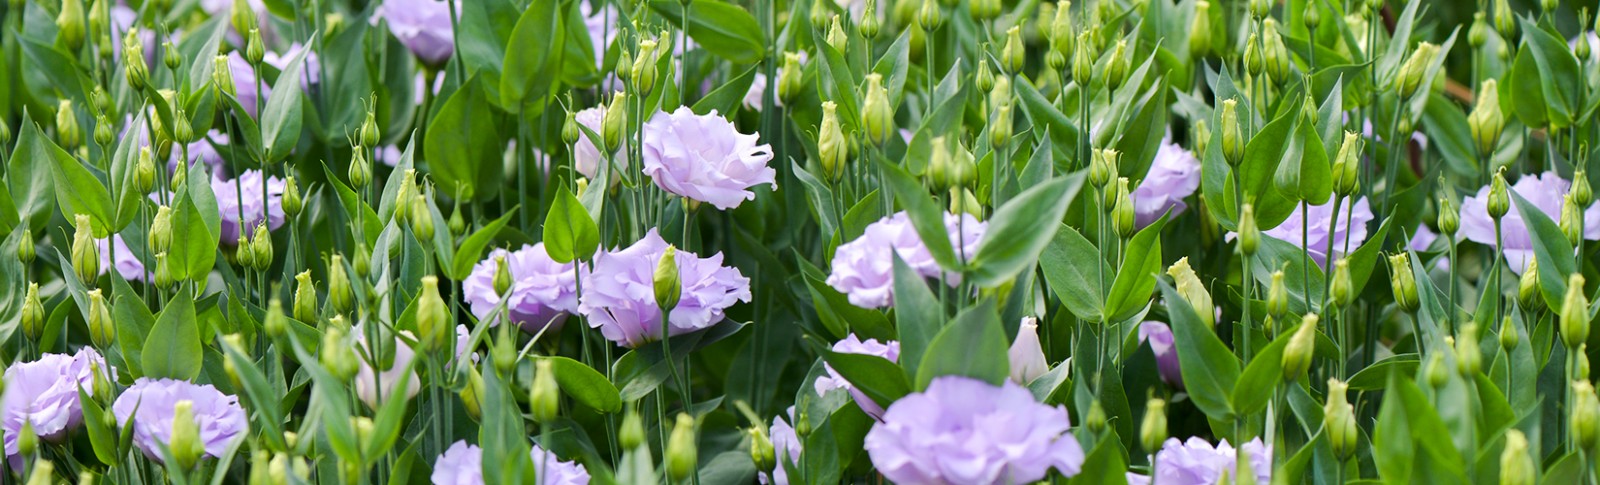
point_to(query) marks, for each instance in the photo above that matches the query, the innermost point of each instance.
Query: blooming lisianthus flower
(1173, 176)
(1196, 462)
(1349, 232)
(462, 464)
(785, 447)
(245, 85)
(853, 345)
(127, 264)
(1159, 335)
(705, 158)
(963, 430)
(313, 64)
(45, 393)
(863, 269)
(542, 293)
(619, 292)
(1547, 192)
(586, 156)
(218, 415)
(422, 25)
(230, 198)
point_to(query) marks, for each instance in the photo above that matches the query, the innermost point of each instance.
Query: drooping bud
(1193, 291)
(1574, 313)
(1200, 30)
(1469, 359)
(876, 114)
(544, 400)
(33, 316)
(1232, 141)
(85, 252)
(644, 68)
(1297, 354)
(1153, 431)
(1404, 282)
(1249, 234)
(1585, 414)
(790, 78)
(1529, 291)
(832, 146)
(1516, 463)
(682, 453)
(667, 286)
(305, 298)
(102, 330)
(613, 125)
(1347, 168)
(1341, 288)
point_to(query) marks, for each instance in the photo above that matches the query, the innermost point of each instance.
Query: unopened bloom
(854, 345)
(1159, 335)
(462, 464)
(863, 269)
(152, 404)
(1027, 357)
(1545, 192)
(587, 158)
(44, 393)
(619, 292)
(963, 430)
(705, 158)
(422, 25)
(368, 381)
(786, 446)
(1173, 176)
(542, 292)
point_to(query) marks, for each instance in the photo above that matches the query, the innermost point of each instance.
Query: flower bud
(790, 78)
(1083, 58)
(1340, 421)
(1469, 359)
(144, 172)
(5, 132)
(930, 17)
(544, 400)
(243, 253)
(26, 250)
(504, 351)
(614, 125)
(1585, 414)
(1449, 217)
(1232, 141)
(1411, 74)
(27, 443)
(1000, 127)
(1101, 165)
(644, 68)
(67, 130)
(1499, 198)
(569, 129)
(369, 130)
(1153, 431)
(276, 323)
(337, 355)
(292, 203)
(1297, 354)
(1013, 56)
(1026, 356)
(1200, 29)
(85, 252)
(832, 146)
(1249, 234)
(255, 49)
(762, 451)
(1123, 214)
(1117, 65)
(1260, 8)
(363, 260)
(819, 14)
(667, 287)
(502, 275)
(180, 176)
(1403, 282)
(1571, 220)
(1478, 34)
(261, 248)
(472, 394)
(870, 25)
(1096, 419)
(421, 218)
(1574, 313)
(963, 201)
(185, 443)
(1252, 55)
(33, 315)
(360, 170)
(836, 36)
(103, 134)
(222, 76)
(69, 25)
(682, 455)
(1274, 52)
(1581, 192)
(1508, 335)
(1347, 168)
(1529, 290)
(305, 298)
(133, 61)
(164, 277)
(1516, 463)
(1549, 6)
(102, 330)
(877, 116)
(1277, 296)
(433, 315)
(631, 434)
(1193, 291)
(984, 9)
(340, 295)
(1341, 287)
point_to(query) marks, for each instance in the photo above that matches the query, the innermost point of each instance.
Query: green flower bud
(103, 135)
(363, 260)
(1297, 354)
(360, 170)
(1499, 196)
(1096, 419)
(644, 68)
(631, 434)
(1449, 217)
(1347, 168)
(99, 20)
(85, 252)
(1403, 282)
(682, 455)
(1274, 52)
(1339, 420)
(1117, 65)
(457, 223)
(102, 330)
(242, 16)
(161, 230)
(421, 218)
(1508, 334)
(433, 315)
(185, 439)
(614, 125)
(1122, 214)
(1516, 463)
(1193, 291)
(1277, 296)
(569, 129)
(877, 115)
(1574, 313)
(1061, 34)
(1233, 141)
(504, 351)
(870, 25)
(1581, 192)
(624, 66)
(133, 61)
(69, 25)
(984, 9)
(5, 132)
(1550, 6)
(832, 146)
(170, 56)
(1581, 51)
(1478, 34)
(1200, 30)
(1249, 234)
(963, 166)
(276, 322)
(962, 201)
(261, 248)
(544, 400)
(1013, 56)
(667, 286)
(762, 451)
(144, 172)
(1000, 127)
(1153, 431)
(27, 443)
(1528, 288)
(1260, 8)
(930, 17)
(1412, 72)
(1469, 360)
(255, 49)
(369, 130)
(164, 277)
(292, 203)
(1342, 286)
(222, 76)
(305, 298)
(1571, 220)
(1312, 17)
(26, 251)
(1083, 58)
(837, 38)
(1253, 63)
(67, 130)
(790, 78)
(243, 253)
(33, 315)
(340, 296)
(472, 394)
(1101, 166)
(1585, 414)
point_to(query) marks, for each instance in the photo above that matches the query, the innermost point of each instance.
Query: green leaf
(1104, 465)
(822, 206)
(1210, 370)
(585, 385)
(102, 439)
(877, 377)
(464, 146)
(194, 246)
(1262, 156)
(471, 249)
(1377, 375)
(723, 29)
(1136, 277)
(1074, 269)
(1550, 247)
(1305, 160)
(569, 233)
(526, 76)
(173, 348)
(1014, 239)
(263, 400)
(925, 214)
(355, 207)
(973, 345)
(281, 119)
(728, 96)
(1260, 378)
(1561, 80)
(918, 315)
(81, 191)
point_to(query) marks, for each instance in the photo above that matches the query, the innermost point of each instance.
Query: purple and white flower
(863, 269)
(705, 158)
(152, 404)
(422, 25)
(854, 345)
(1196, 462)
(462, 464)
(230, 199)
(1173, 176)
(1547, 192)
(619, 292)
(45, 393)
(542, 294)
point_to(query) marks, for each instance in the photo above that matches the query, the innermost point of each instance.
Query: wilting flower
(586, 155)
(45, 393)
(854, 345)
(127, 264)
(422, 25)
(1173, 176)
(218, 415)
(619, 292)
(1196, 462)
(1349, 232)
(462, 464)
(1159, 335)
(1546, 192)
(229, 201)
(864, 270)
(543, 292)
(785, 446)
(705, 158)
(963, 430)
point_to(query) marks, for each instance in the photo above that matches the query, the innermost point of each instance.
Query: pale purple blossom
(374, 387)
(863, 269)
(586, 155)
(619, 292)
(45, 393)
(1159, 335)
(963, 430)
(1173, 176)
(218, 415)
(462, 464)
(126, 263)
(422, 25)
(785, 446)
(1422, 239)
(1546, 192)
(602, 28)
(312, 65)
(1026, 355)
(542, 293)
(705, 158)
(1196, 462)
(245, 84)
(854, 345)
(229, 201)
(1347, 234)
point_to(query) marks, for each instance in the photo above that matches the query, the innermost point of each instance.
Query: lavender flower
(1159, 335)
(127, 264)
(543, 292)
(705, 158)
(1196, 462)
(962, 430)
(462, 464)
(619, 294)
(245, 84)
(785, 446)
(864, 270)
(45, 393)
(1349, 232)
(218, 415)
(854, 345)
(1173, 176)
(313, 64)
(602, 29)
(586, 156)
(1546, 192)
(1027, 357)
(229, 201)
(422, 25)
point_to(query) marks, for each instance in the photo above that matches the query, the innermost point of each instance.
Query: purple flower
(1423, 238)
(422, 25)
(705, 158)
(390, 154)
(229, 201)
(203, 150)
(45, 393)
(462, 464)
(1349, 232)
(1160, 337)
(864, 270)
(127, 264)
(1546, 192)
(1027, 357)
(619, 292)
(313, 64)
(218, 415)
(245, 84)
(1173, 176)
(785, 446)
(586, 156)
(543, 292)
(1196, 462)
(853, 345)
(963, 430)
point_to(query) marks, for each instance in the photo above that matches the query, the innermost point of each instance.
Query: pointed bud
(133, 61)
(1253, 63)
(1529, 291)
(1411, 74)
(1249, 234)
(631, 434)
(362, 262)
(144, 172)
(569, 129)
(1571, 220)
(1013, 56)
(222, 76)
(360, 170)
(870, 25)
(1469, 359)
(682, 455)
(185, 443)
(1101, 166)
(102, 330)
(276, 322)
(305, 298)
(1117, 65)
(421, 218)
(26, 247)
(644, 68)
(1274, 52)
(70, 29)
(614, 125)
(667, 286)
(1499, 196)
(292, 203)
(27, 443)
(261, 248)
(1096, 419)
(164, 277)
(504, 350)
(103, 134)
(762, 451)
(1403, 282)
(1193, 291)
(1153, 431)
(930, 17)
(1574, 316)
(255, 49)
(1341, 287)
(340, 295)
(67, 130)
(832, 146)
(243, 253)
(877, 115)
(1061, 32)
(433, 316)
(1508, 335)
(33, 315)
(1585, 415)
(1581, 192)
(1260, 8)
(544, 400)
(1347, 168)
(790, 78)
(1449, 217)
(836, 36)
(1083, 58)
(1277, 296)
(1516, 463)
(1026, 355)
(1000, 127)
(1232, 141)
(161, 230)
(1478, 34)
(85, 252)
(370, 135)
(1123, 216)
(1200, 29)
(1297, 354)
